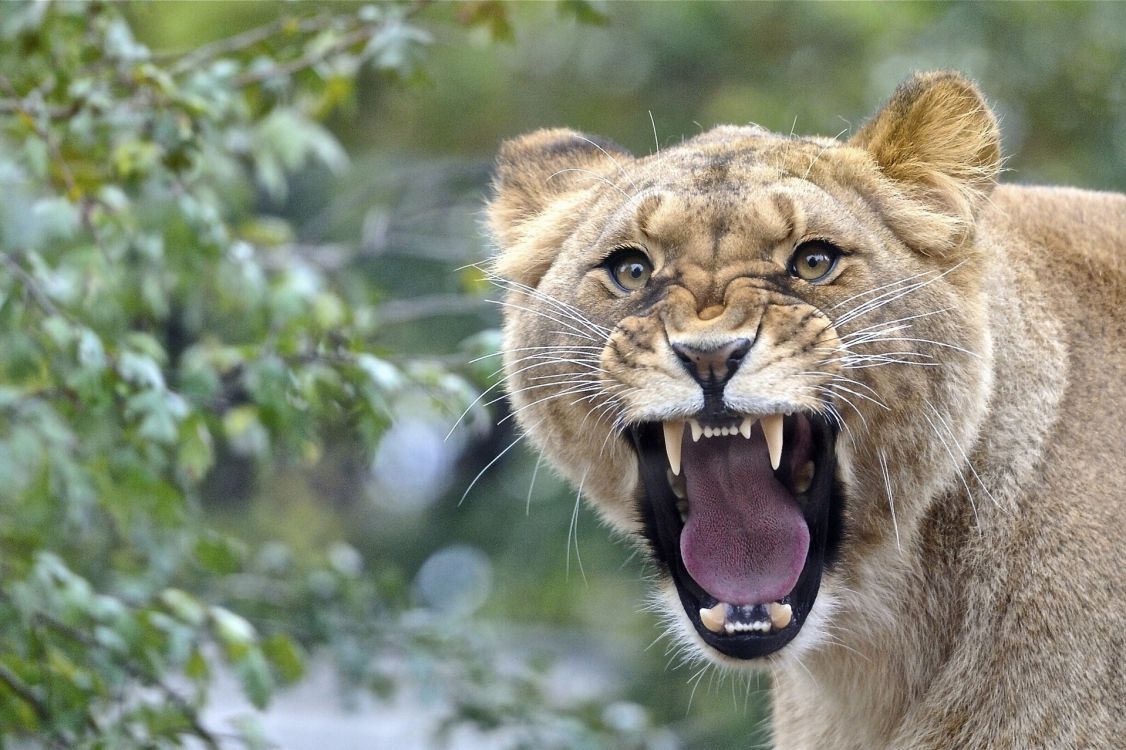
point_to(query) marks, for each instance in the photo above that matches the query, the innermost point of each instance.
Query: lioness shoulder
(864, 408)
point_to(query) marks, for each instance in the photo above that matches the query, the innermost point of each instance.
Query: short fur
(969, 344)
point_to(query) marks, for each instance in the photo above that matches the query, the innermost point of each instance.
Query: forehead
(756, 207)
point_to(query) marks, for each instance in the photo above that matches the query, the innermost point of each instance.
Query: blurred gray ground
(317, 715)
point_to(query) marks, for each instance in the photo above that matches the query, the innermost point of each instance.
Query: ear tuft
(939, 140)
(535, 174)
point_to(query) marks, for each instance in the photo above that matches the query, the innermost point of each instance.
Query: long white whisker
(958, 445)
(574, 531)
(891, 500)
(489, 465)
(961, 475)
(565, 324)
(877, 289)
(532, 484)
(568, 310)
(615, 162)
(593, 174)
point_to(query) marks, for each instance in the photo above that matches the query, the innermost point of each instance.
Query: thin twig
(188, 710)
(307, 60)
(239, 42)
(24, 692)
(32, 286)
(428, 306)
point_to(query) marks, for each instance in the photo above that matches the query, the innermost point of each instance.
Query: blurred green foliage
(157, 318)
(234, 338)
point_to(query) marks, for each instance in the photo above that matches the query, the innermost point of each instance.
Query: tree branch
(239, 42)
(24, 692)
(203, 733)
(307, 60)
(427, 306)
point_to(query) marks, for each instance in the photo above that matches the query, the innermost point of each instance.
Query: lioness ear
(535, 175)
(938, 139)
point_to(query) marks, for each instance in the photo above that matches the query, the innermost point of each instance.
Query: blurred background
(409, 579)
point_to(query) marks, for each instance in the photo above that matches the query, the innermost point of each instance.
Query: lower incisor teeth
(780, 614)
(714, 618)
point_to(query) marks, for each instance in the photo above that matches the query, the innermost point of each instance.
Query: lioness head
(742, 348)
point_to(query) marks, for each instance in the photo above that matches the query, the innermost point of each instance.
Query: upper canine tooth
(714, 618)
(674, 435)
(745, 427)
(772, 428)
(697, 430)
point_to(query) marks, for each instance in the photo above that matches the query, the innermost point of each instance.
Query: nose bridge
(712, 326)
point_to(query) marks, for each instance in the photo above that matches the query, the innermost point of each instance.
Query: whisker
(568, 310)
(961, 475)
(877, 289)
(593, 174)
(969, 463)
(565, 324)
(532, 484)
(489, 466)
(891, 501)
(574, 531)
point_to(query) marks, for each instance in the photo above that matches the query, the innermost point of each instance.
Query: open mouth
(743, 513)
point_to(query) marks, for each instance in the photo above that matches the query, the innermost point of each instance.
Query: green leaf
(285, 657)
(218, 554)
(245, 433)
(184, 606)
(583, 11)
(197, 668)
(234, 632)
(195, 454)
(254, 673)
(140, 370)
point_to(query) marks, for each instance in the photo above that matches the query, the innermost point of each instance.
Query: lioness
(863, 406)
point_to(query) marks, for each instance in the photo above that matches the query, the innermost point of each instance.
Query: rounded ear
(535, 175)
(939, 140)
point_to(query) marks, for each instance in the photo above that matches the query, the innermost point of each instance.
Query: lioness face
(717, 341)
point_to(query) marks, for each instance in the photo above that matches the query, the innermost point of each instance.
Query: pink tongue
(745, 541)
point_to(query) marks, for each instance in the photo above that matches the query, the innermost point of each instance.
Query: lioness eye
(629, 268)
(813, 261)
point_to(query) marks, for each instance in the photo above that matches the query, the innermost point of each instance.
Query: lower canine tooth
(804, 477)
(714, 618)
(780, 614)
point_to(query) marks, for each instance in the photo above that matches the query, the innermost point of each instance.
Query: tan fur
(979, 600)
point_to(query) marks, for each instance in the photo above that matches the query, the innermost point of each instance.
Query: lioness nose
(712, 366)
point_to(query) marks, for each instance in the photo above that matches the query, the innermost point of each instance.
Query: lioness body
(1001, 626)
(952, 379)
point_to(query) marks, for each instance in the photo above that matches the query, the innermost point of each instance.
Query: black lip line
(662, 526)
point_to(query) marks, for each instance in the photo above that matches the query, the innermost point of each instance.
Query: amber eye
(813, 261)
(630, 268)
